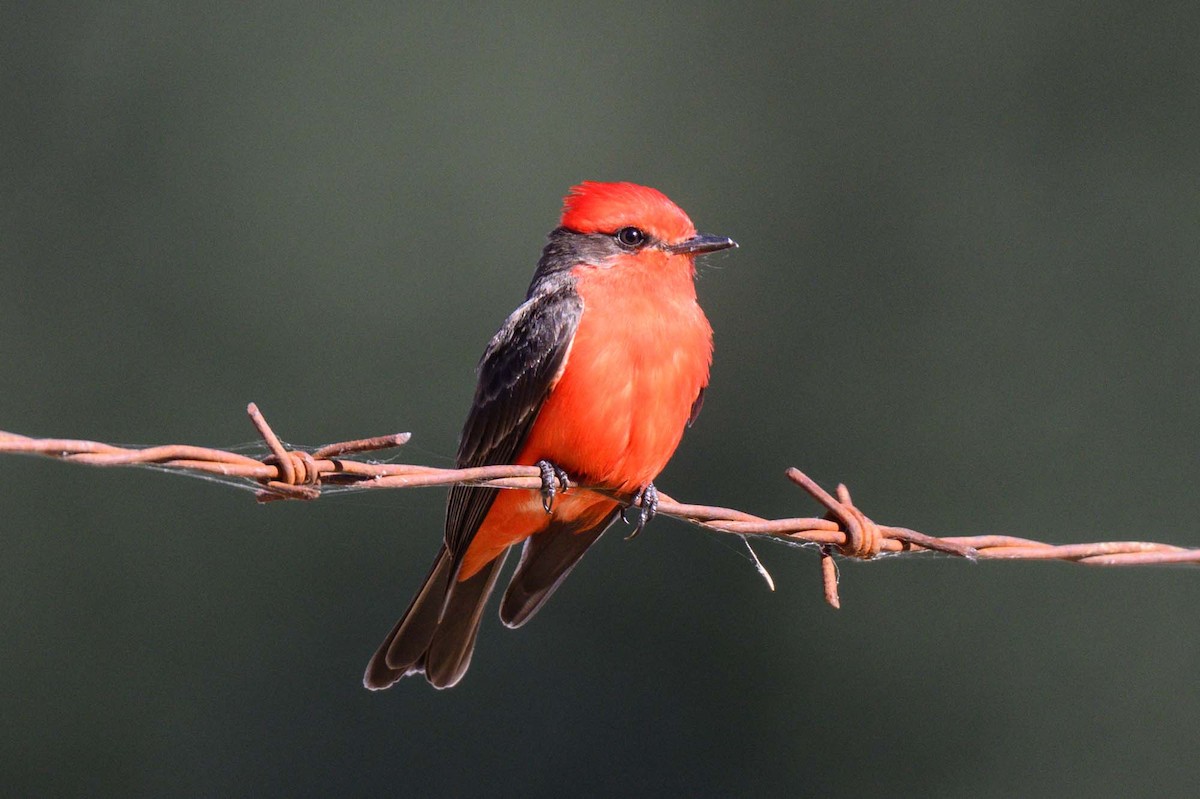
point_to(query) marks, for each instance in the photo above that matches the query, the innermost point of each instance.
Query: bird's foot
(646, 501)
(550, 475)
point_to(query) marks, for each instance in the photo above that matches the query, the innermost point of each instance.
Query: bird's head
(627, 226)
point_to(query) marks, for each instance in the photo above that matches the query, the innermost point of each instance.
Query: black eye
(630, 237)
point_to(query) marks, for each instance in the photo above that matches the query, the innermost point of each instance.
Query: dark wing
(697, 404)
(517, 371)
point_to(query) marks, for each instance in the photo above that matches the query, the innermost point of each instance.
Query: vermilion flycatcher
(594, 376)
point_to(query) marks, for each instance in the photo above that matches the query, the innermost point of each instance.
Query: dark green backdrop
(967, 286)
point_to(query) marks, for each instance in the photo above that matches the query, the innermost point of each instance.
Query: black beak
(700, 244)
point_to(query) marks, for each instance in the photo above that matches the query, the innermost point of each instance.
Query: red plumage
(598, 373)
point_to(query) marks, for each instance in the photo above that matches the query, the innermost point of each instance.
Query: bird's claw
(550, 475)
(646, 501)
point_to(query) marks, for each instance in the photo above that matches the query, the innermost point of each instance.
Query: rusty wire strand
(298, 474)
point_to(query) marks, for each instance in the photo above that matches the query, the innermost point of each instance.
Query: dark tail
(436, 635)
(546, 560)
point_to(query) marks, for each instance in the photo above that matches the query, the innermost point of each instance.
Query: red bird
(594, 376)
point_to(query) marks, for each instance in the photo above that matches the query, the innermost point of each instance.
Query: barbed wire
(288, 473)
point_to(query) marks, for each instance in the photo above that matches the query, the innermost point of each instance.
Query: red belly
(616, 414)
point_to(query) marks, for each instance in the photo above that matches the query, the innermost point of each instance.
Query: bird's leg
(551, 474)
(646, 501)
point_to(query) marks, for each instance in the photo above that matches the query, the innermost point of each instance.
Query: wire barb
(298, 474)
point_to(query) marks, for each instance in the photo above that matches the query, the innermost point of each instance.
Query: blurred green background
(967, 286)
